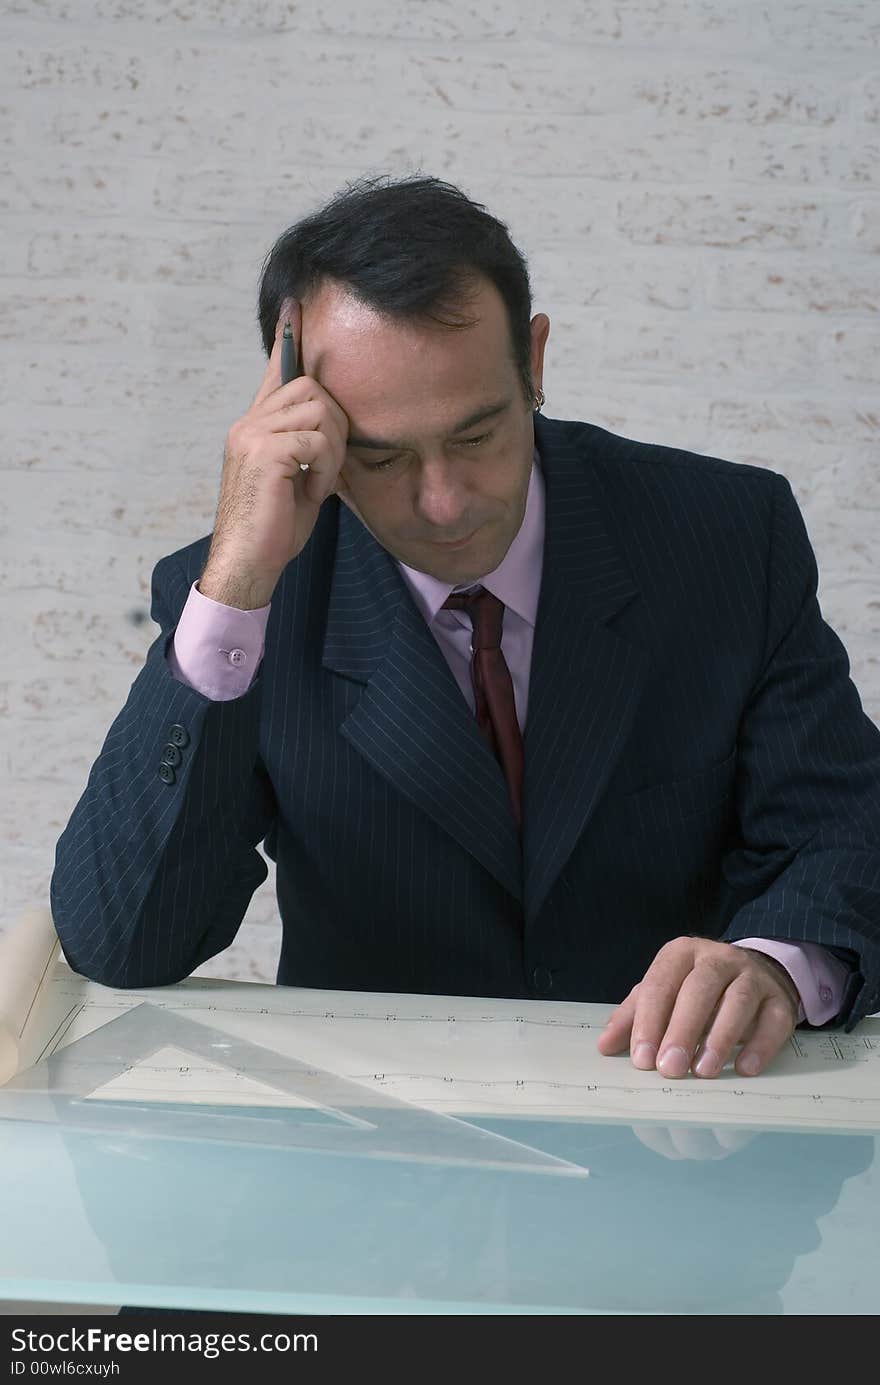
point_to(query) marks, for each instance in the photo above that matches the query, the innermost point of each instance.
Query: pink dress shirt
(217, 650)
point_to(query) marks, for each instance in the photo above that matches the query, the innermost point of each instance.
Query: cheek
(382, 515)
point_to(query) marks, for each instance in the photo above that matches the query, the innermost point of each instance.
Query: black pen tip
(287, 332)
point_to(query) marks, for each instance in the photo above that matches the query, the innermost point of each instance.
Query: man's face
(435, 472)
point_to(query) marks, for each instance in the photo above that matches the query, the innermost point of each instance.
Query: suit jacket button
(171, 756)
(542, 980)
(166, 774)
(178, 735)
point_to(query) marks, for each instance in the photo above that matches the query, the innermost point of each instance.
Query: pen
(290, 367)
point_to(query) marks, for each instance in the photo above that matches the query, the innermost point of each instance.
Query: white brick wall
(696, 186)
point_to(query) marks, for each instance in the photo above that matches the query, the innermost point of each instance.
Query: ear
(539, 331)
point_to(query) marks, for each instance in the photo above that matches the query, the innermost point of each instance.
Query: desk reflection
(646, 1231)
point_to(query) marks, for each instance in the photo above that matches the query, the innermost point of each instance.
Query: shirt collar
(516, 580)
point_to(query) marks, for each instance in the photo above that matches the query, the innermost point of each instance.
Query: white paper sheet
(28, 955)
(465, 1055)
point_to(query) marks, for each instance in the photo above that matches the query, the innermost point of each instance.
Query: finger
(696, 1005)
(275, 407)
(656, 1000)
(314, 486)
(312, 411)
(272, 374)
(736, 1013)
(658, 1138)
(697, 1142)
(271, 381)
(684, 1142)
(747, 1032)
(774, 1028)
(615, 1036)
(310, 449)
(318, 467)
(314, 415)
(731, 1138)
(307, 414)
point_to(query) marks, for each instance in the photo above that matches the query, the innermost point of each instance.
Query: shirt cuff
(817, 974)
(217, 649)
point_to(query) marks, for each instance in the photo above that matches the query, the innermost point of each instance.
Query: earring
(539, 400)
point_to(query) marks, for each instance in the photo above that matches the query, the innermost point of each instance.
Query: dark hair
(411, 249)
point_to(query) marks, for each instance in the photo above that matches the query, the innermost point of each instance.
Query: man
(635, 771)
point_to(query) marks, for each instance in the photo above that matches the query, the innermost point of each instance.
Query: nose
(442, 500)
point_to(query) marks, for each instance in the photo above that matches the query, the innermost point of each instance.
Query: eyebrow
(377, 445)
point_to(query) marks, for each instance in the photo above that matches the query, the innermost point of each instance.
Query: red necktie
(493, 687)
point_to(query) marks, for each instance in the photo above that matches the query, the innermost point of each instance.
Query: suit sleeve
(155, 870)
(808, 782)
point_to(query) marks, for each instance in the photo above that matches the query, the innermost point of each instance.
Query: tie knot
(486, 612)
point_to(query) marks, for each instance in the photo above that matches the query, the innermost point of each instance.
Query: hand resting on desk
(697, 1000)
(690, 1142)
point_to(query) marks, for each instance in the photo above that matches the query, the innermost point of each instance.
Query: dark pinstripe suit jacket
(697, 760)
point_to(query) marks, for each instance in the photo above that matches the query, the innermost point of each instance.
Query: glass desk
(284, 1211)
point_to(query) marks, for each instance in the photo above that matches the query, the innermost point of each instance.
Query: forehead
(375, 363)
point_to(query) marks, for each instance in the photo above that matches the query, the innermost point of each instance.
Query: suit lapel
(585, 680)
(415, 728)
(411, 722)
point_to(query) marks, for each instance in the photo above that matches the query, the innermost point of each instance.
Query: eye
(465, 442)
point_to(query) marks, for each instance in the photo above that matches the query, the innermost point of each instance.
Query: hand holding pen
(290, 366)
(282, 460)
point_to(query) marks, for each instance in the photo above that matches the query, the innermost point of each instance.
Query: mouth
(457, 543)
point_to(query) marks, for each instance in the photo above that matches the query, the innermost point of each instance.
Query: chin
(464, 567)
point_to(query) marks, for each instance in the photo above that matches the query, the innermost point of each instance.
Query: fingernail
(673, 1062)
(749, 1063)
(708, 1064)
(643, 1057)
